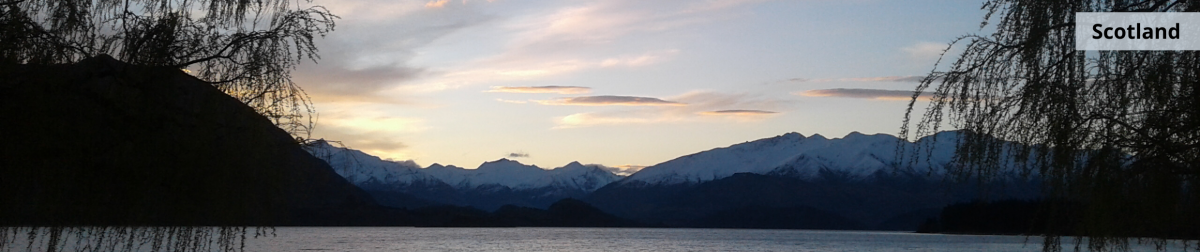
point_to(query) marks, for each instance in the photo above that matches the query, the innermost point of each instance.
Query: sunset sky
(618, 83)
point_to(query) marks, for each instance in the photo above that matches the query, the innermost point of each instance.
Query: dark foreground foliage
(246, 49)
(1117, 133)
(107, 145)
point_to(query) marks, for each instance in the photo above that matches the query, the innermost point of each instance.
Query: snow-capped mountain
(875, 180)
(856, 156)
(364, 169)
(369, 171)
(489, 186)
(503, 172)
(514, 175)
(587, 177)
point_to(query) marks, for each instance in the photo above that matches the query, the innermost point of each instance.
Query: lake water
(582, 239)
(628, 239)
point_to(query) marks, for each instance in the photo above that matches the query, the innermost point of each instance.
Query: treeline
(1034, 217)
(1011, 217)
(563, 213)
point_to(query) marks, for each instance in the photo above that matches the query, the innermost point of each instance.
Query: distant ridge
(787, 181)
(488, 187)
(855, 182)
(856, 155)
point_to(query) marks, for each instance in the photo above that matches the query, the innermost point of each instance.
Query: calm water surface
(622, 239)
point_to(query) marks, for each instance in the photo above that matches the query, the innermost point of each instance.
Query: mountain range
(487, 187)
(855, 182)
(864, 179)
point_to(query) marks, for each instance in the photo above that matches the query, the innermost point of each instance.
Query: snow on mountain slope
(365, 170)
(514, 175)
(587, 177)
(449, 174)
(855, 155)
(511, 174)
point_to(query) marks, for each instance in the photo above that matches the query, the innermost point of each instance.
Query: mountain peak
(856, 154)
(947, 136)
(576, 166)
(437, 166)
(320, 142)
(792, 135)
(409, 163)
(860, 137)
(818, 136)
(502, 160)
(503, 163)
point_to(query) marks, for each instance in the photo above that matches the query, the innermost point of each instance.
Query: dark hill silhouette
(105, 143)
(102, 142)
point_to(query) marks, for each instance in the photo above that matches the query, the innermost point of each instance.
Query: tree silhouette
(247, 49)
(1117, 132)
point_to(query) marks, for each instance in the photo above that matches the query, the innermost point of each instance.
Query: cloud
(877, 94)
(579, 36)
(728, 107)
(603, 22)
(608, 100)
(739, 112)
(369, 9)
(579, 120)
(701, 105)
(796, 80)
(910, 78)
(542, 89)
(371, 128)
(517, 65)
(336, 82)
(594, 23)
(567, 37)
(925, 50)
(359, 61)
(715, 5)
(367, 124)
(907, 78)
(436, 4)
(639, 60)
(378, 143)
(708, 100)
(511, 101)
(518, 155)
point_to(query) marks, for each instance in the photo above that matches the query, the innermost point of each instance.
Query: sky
(620, 83)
